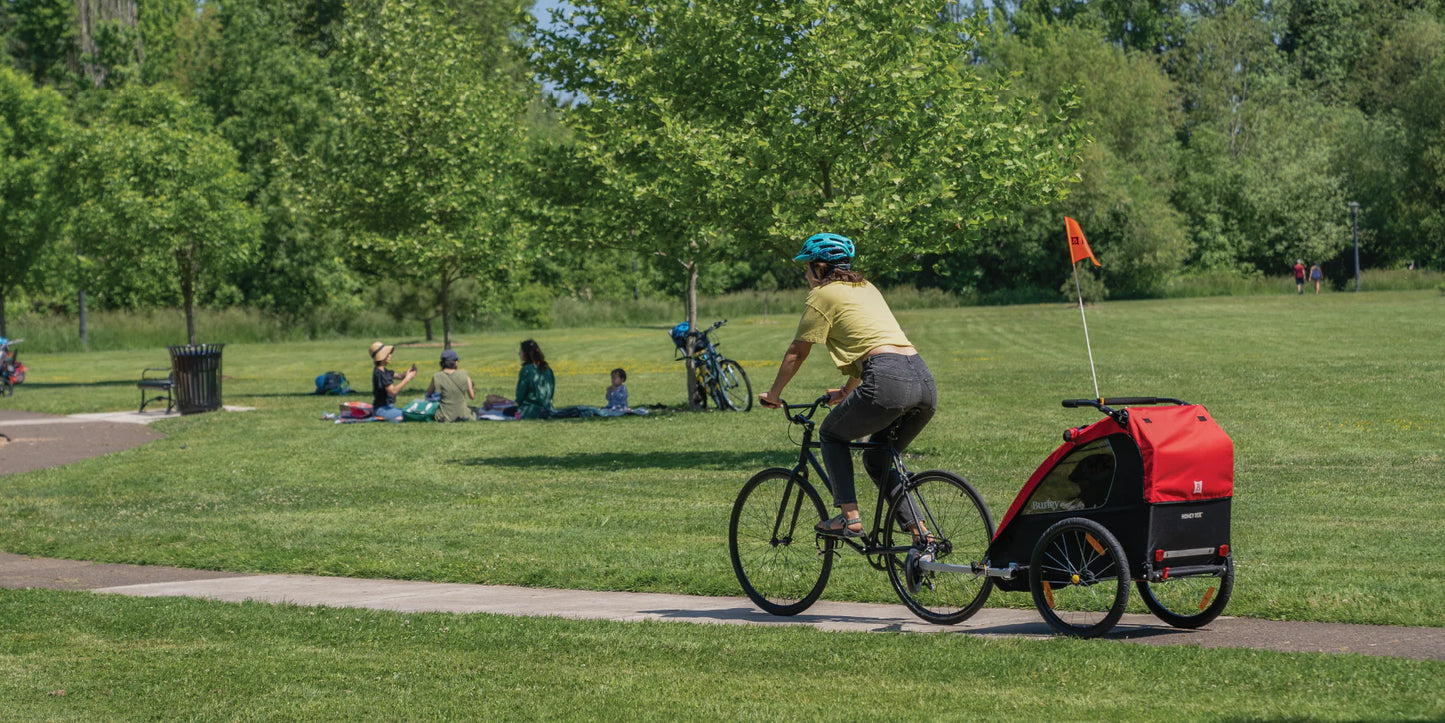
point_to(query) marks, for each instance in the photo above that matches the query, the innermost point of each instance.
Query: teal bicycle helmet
(827, 247)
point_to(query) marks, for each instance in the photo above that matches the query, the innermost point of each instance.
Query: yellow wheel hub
(1075, 578)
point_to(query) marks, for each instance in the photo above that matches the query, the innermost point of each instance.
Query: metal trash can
(196, 373)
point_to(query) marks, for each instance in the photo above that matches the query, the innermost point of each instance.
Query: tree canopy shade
(424, 173)
(32, 127)
(150, 186)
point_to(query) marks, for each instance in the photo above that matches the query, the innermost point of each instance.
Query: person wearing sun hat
(384, 384)
(455, 388)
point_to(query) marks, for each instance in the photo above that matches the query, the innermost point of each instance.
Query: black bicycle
(936, 567)
(719, 379)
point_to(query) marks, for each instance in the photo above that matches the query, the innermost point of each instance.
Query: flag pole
(1087, 345)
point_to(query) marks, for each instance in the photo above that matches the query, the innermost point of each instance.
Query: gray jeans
(893, 404)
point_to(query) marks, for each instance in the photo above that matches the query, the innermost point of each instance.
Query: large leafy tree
(32, 127)
(151, 186)
(42, 36)
(728, 129)
(1127, 173)
(270, 89)
(424, 172)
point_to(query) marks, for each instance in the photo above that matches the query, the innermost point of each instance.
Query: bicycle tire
(1079, 566)
(1176, 601)
(955, 514)
(731, 380)
(772, 543)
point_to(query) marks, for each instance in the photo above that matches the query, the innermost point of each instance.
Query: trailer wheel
(1189, 602)
(1079, 577)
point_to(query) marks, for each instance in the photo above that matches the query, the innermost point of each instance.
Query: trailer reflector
(1208, 595)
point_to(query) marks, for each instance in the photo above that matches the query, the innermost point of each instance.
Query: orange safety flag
(1078, 245)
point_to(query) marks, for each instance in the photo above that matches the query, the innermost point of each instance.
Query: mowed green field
(1333, 402)
(77, 656)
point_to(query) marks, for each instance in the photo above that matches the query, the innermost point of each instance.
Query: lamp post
(1355, 223)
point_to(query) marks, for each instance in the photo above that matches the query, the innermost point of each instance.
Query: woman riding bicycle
(889, 393)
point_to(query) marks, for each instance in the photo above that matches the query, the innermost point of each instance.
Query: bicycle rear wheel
(954, 513)
(737, 391)
(772, 543)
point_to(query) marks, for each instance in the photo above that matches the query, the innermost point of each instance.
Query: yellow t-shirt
(851, 318)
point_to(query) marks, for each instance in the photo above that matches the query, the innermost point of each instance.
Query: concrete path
(17, 571)
(30, 441)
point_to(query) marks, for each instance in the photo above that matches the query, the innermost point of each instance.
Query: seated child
(617, 393)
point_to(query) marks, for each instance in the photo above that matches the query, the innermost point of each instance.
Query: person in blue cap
(455, 388)
(889, 393)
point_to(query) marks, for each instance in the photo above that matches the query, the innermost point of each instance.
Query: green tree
(1127, 173)
(150, 186)
(730, 128)
(424, 174)
(42, 35)
(273, 99)
(32, 127)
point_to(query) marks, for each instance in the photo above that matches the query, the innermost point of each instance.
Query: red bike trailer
(1146, 490)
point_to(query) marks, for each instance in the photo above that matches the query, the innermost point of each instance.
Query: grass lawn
(79, 656)
(1333, 403)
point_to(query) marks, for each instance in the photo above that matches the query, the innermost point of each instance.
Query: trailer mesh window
(1080, 481)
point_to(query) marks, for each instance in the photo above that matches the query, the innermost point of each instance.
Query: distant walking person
(1299, 275)
(1316, 276)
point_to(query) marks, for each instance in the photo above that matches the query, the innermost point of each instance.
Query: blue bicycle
(719, 379)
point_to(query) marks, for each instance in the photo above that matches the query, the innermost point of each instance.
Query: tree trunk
(88, 14)
(446, 311)
(189, 272)
(4, 327)
(427, 323)
(690, 309)
(84, 327)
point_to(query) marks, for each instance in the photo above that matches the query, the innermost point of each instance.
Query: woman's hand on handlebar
(767, 400)
(836, 396)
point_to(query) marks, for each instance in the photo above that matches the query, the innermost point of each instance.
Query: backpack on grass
(332, 383)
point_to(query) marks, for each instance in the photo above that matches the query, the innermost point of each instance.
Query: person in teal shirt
(535, 383)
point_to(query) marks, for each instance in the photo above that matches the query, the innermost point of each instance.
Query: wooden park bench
(154, 384)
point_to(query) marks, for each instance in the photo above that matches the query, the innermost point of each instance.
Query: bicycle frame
(870, 545)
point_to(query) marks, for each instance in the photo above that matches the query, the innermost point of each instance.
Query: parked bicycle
(783, 564)
(12, 372)
(719, 379)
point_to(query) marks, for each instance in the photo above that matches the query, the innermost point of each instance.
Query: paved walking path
(53, 441)
(17, 571)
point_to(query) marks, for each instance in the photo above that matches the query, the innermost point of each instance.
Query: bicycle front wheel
(772, 542)
(954, 514)
(737, 391)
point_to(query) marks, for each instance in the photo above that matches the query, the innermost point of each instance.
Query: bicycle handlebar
(1119, 401)
(1120, 416)
(801, 419)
